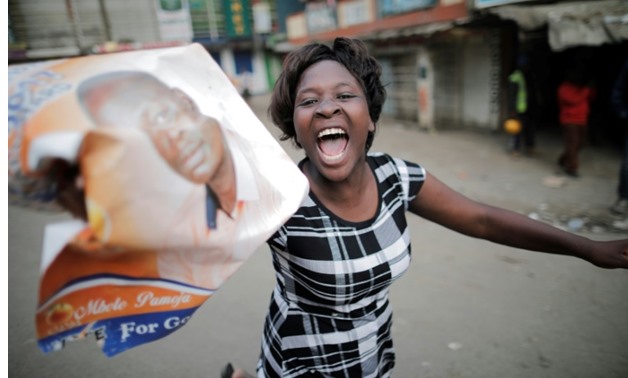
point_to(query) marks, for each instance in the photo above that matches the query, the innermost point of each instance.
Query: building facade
(445, 62)
(232, 31)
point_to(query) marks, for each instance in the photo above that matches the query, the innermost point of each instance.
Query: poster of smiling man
(172, 181)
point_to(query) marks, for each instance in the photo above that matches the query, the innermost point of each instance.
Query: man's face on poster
(190, 142)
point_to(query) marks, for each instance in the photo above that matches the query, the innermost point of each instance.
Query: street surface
(466, 308)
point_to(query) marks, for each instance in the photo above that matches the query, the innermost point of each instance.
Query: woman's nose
(327, 108)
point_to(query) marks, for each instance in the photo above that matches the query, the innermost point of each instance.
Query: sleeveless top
(329, 314)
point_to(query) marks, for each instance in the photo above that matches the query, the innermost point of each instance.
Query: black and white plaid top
(329, 314)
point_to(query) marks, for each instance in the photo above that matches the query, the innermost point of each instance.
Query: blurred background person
(519, 109)
(574, 96)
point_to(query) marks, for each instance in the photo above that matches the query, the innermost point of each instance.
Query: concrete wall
(477, 83)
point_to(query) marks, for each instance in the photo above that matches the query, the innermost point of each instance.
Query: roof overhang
(413, 31)
(574, 23)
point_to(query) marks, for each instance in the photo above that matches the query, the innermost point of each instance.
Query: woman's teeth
(333, 131)
(332, 143)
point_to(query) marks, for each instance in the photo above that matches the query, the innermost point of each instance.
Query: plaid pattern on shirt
(329, 314)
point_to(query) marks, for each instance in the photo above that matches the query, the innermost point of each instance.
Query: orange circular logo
(59, 313)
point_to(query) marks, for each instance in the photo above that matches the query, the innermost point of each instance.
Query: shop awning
(419, 30)
(574, 23)
(385, 34)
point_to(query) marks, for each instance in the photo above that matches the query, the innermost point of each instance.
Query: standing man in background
(518, 109)
(574, 95)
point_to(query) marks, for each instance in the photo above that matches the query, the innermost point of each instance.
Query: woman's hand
(609, 254)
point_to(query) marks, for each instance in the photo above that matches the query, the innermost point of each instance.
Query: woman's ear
(372, 126)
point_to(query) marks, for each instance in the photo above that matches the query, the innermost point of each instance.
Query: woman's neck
(354, 198)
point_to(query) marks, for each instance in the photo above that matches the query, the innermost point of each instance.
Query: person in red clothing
(574, 99)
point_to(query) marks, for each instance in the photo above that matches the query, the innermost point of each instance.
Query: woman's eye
(307, 102)
(345, 96)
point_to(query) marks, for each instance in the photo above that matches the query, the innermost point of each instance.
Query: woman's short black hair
(352, 54)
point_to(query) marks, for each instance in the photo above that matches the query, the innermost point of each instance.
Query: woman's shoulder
(385, 165)
(396, 171)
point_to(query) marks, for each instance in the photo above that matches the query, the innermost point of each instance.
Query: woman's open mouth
(332, 143)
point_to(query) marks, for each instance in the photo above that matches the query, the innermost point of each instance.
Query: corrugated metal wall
(481, 80)
(446, 59)
(56, 23)
(81, 23)
(399, 78)
(131, 21)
